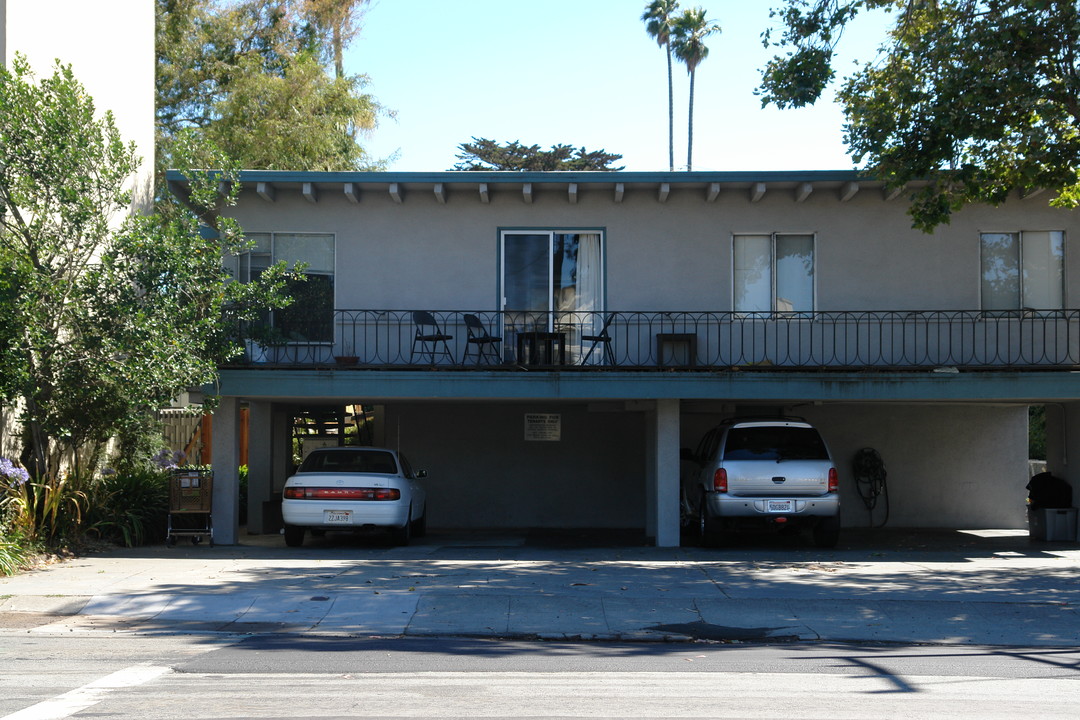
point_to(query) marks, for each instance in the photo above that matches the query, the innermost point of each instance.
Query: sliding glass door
(552, 282)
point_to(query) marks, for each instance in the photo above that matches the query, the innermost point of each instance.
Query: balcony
(680, 341)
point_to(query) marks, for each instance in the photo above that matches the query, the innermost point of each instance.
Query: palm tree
(657, 18)
(688, 34)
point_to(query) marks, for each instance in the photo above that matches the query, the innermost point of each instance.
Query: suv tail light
(834, 480)
(719, 480)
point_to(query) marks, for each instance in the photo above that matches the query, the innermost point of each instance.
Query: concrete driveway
(911, 586)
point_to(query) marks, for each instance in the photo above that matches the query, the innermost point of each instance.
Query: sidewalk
(989, 588)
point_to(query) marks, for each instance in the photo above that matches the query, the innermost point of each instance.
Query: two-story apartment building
(587, 326)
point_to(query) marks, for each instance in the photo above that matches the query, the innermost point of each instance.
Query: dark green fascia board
(966, 387)
(583, 177)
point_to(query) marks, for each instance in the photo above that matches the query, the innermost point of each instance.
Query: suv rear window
(360, 461)
(775, 442)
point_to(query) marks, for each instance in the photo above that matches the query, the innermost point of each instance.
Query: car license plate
(338, 516)
(778, 506)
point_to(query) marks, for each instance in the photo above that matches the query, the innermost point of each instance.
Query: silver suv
(771, 473)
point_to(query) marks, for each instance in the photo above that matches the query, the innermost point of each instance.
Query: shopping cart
(191, 494)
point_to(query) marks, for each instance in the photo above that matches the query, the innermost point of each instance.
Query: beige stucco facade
(953, 438)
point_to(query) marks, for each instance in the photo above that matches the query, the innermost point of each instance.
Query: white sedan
(350, 488)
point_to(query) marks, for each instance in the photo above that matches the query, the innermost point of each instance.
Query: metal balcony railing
(614, 340)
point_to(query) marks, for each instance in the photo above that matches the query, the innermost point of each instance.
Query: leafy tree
(484, 154)
(339, 21)
(106, 315)
(252, 76)
(658, 18)
(688, 44)
(976, 97)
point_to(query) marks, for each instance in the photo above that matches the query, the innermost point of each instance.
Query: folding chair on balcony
(487, 345)
(600, 338)
(428, 337)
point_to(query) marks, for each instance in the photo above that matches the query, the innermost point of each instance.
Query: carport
(596, 451)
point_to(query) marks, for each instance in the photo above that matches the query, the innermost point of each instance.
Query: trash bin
(1051, 516)
(1052, 524)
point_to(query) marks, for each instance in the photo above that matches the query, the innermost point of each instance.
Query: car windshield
(774, 442)
(358, 461)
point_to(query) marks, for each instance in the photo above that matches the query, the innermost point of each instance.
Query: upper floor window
(552, 271)
(1023, 270)
(310, 316)
(553, 282)
(773, 273)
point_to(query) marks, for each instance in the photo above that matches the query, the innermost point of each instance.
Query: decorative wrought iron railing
(964, 339)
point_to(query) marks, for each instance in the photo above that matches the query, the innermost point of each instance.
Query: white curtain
(753, 273)
(589, 289)
(1044, 264)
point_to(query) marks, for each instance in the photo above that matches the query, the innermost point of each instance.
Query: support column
(226, 461)
(662, 473)
(260, 472)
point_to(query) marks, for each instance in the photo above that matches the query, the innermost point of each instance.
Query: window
(773, 273)
(553, 278)
(310, 316)
(1023, 270)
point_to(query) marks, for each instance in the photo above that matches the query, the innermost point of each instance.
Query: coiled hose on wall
(869, 472)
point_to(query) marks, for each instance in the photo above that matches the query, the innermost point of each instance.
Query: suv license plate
(778, 506)
(338, 516)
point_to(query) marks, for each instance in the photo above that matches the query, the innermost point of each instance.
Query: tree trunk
(670, 114)
(339, 61)
(690, 129)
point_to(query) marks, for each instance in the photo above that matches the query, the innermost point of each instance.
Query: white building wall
(659, 256)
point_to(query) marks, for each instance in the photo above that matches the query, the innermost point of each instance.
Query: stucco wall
(483, 473)
(951, 466)
(659, 256)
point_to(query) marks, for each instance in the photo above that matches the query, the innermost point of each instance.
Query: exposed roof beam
(665, 190)
(757, 191)
(527, 193)
(310, 193)
(803, 191)
(571, 193)
(712, 192)
(892, 193)
(396, 192)
(352, 192)
(265, 190)
(848, 191)
(485, 197)
(620, 192)
(440, 193)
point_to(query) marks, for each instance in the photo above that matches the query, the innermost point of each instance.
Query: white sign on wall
(543, 427)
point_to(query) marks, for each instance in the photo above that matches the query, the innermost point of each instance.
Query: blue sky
(585, 73)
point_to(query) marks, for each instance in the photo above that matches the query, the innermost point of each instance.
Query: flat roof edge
(583, 177)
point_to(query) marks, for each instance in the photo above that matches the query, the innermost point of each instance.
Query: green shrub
(131, 507)
(46, 511)
(15, 553)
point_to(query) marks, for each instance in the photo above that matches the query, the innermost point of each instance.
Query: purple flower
(14, 474)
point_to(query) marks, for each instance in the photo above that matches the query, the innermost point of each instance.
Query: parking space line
(73, 701)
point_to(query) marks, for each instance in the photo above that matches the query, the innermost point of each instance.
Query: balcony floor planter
(346, 360)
